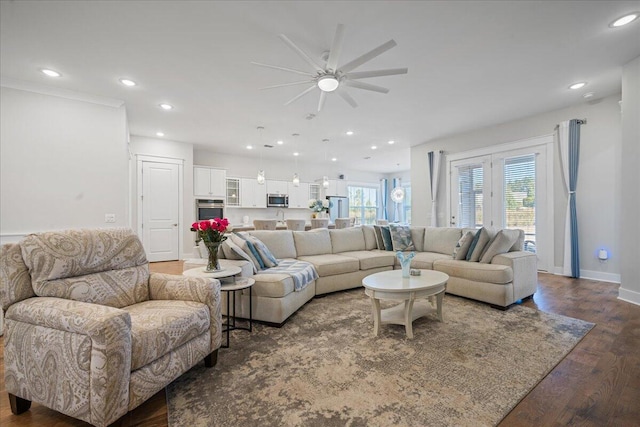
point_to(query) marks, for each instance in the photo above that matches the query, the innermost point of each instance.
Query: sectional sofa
(343, 257)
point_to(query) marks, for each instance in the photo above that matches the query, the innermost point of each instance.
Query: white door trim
(545, 140)
(140, 159)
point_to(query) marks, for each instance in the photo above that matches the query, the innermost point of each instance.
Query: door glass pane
(470, 197)
(520, 197)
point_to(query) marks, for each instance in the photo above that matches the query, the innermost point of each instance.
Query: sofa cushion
(249, 255)
(463, 245)
(369, 237)
(372, 259)
(489, 273)
(158, 327)
(15, 283)
(279, 242)
(235, 252)
(401, 238)
(315, 242)
(417, 235)
(500, 244)
(378, 233)
(331, 264)
(386, 238)
(347, 239)
(441, 239)
(110, 264)
(482, 237)
(424, 260)
(272, 285)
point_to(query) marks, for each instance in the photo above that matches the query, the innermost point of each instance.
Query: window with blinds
(470, 183)
(520, 196)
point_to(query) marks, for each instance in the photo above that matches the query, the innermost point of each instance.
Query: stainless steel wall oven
(209, 209)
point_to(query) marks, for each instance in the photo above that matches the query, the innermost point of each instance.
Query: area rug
(325, 368)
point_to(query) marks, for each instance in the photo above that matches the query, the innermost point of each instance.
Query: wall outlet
(109, 217)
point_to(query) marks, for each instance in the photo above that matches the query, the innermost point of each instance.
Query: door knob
(175, 225)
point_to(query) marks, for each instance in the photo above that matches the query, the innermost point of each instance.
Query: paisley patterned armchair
(89, 332)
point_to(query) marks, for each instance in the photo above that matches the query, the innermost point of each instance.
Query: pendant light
(261, 177)
(296, 178)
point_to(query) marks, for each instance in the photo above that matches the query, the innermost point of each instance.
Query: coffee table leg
(408, 323)
(375, 303)
(439, 298)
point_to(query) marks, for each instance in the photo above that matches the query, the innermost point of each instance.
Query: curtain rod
(580, 122)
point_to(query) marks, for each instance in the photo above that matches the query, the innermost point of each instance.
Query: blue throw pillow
(386, 238)
(253, 250)
(474, 242)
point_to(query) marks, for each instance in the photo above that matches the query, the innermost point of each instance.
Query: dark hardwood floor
(597, 384)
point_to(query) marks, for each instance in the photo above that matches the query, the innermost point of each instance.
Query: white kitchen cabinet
(298, 196)
(209, 182)
(314, 191)
(277, 187)
(233, 191)
(252, 194)
(336, 188)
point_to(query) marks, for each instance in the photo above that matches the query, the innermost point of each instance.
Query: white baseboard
(629, 296)
(600, 276)
(591, 275)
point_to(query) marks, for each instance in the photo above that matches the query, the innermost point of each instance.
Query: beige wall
(599, 178)
(630, 189)
(63, 162)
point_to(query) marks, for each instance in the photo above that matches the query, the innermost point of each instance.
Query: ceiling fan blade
(300, 95)
(301, 53)
(377, 73)
(287, 84)
(365, 86)
(336, 48)
(323, 97)
(344, 95)
(291, 70)
(367, 56)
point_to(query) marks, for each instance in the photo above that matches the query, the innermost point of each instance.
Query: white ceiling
(471, 64)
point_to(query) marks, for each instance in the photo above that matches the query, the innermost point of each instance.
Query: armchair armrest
(525, 271)
(198, 289)
(55, 348)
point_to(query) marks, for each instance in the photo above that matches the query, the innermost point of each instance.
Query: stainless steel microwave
(277, 201)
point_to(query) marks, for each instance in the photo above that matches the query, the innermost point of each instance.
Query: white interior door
(160, 210)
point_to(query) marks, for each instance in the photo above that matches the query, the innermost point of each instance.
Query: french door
(506, 188)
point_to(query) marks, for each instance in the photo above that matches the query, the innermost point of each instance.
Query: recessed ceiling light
(166, 106)
(279, 142)
(392, 142)
(334, 159)
(578, 85)
(624, 20)
(588, 95)
(249, 147)
(160, 134)
(374, 147)
(50, 73)
(127, 82)
(349, 132)
(296, 154)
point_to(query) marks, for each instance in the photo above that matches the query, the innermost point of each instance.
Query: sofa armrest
(198, 289)
(87, 345)
(525, 271)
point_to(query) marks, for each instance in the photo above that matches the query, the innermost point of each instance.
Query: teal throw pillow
(472, 247)
(386, 237)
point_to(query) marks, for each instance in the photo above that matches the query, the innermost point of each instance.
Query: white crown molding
(61, 93)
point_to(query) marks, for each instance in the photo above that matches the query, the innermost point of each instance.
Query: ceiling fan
(330, 77)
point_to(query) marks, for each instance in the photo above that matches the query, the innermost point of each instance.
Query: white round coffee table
(390, 285)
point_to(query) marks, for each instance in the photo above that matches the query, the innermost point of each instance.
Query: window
(363, 204)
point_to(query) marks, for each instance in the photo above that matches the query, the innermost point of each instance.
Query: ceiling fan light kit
(331, 77)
